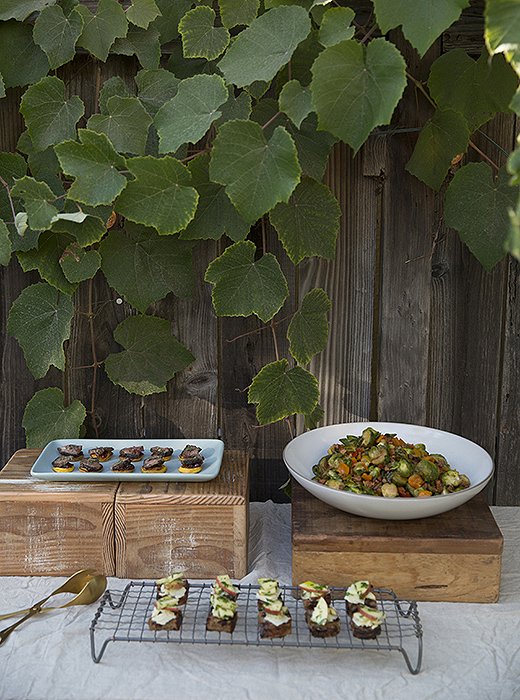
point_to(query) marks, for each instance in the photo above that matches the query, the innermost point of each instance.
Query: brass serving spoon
(90, 592)
(73, 584)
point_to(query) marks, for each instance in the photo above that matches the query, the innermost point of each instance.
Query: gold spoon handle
(7, 631)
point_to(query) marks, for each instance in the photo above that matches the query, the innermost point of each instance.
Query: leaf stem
(275, 340)
(194, 155)
(95, 363)
(270, 121)
(258, 330)
(484, 156)
(8, 191)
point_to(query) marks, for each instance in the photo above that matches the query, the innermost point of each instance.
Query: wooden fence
(419, 331)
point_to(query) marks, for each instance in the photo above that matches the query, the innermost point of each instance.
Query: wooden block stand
(454, 557)
(138, 530)
(51, 528)
(197, 527)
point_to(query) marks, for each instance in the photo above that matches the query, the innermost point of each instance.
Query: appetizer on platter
(124, 465)
(223, 587)
(322, 620)
(153, 465)
(378, 464)
(311, 592)
(360, 593)
(134, 453)
(366, 622)
(166, 615)
(222, 615)
(62, 464)
(90, 465)
(164, 453)
(174, 586)
(191, 460)
(102, 454)
(75, 452)
(274, 620)
(269, 592)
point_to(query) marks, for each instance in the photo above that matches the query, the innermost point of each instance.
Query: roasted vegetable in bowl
(377, 464)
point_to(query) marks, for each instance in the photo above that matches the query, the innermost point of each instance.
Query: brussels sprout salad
(379, 464)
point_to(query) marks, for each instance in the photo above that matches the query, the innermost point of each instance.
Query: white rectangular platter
(212, 450)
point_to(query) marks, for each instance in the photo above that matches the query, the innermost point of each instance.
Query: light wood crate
(53, 528)
(455, 556)
(197, 527)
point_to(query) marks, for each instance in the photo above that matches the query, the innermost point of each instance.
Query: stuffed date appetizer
(102, 454)
(164, 453)
(123, 466)
(62, 464)
(75, 452)
(153, 465)
(90, 465)
(134, 453)
(191, 460)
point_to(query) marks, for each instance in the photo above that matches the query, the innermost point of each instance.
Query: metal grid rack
(122, 616)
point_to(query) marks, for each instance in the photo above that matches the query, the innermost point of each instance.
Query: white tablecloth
(470, 651)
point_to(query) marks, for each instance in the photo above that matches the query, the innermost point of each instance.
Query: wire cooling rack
(122, 616)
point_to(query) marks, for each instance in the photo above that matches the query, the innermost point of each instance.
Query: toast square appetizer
(124, 465)
(166, 615)
(174, 586)
(275, 620)
(222, 615)
(323, 620)
(75, 452)
(133, 453)
(90, 465)
(102, 454)
(360, 593)
(268, 592)
(366, 622)
(164, 453)
(191, 459)
(153, 465)
(224, 588)
(62, 464)
(311, 593)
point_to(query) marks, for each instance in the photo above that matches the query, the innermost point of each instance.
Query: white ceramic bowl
(302, 453)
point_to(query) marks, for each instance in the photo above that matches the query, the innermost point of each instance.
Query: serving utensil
(93, 587)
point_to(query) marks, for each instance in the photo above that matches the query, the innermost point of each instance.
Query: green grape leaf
(515, 102)
(313, 147)
(295, 101)
(37, 197)
(101, 29)
(476, 89)
(314, 418)
(215, 215)
(142, 12)
(309, 328)
(200, 38)
(79, 264)
(356, 88)
(2, 87)
(502, 31)
(161, 195)
(46, 417)
(259, 51)
(40, 320)
(422, 21)
(308, 224)
(151, 356)
(43, 164)
(513, 166)
(301, 62)
(243, 286)
(513, 239)
(167, 23)
(143, 43)
(144, 267)
(155, 88)
(477, 207)
(336, 26)
(93, 164)
(49, 116)
(46, 259)
(112, 87)
(280, 392)
(187, 116)
(443, 137)
(238, 107)
(5, 245)
(21, 61)
(57, 34)
(21, 9)
(258, 173)
(238, 12)
(12, 167)
(126, 124)
(87, 232)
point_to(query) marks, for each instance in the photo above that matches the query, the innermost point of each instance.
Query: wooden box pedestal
(197, 527)
(454, 557)
(51, 528)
